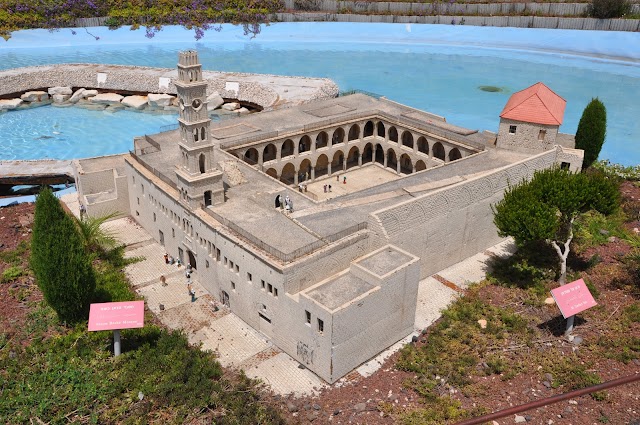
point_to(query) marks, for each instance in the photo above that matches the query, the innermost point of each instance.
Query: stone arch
(288, 173)
(322, 165)
(438, 151)
(305, 168)
(201, 164)
(304, 144)
(454, 154)
(322, 139)
(251, 156)
(392, 159)
(381, 129)
(195, 134)
(287, 148)
(353, 157)
(269, 152)
(337, 163)
(207, 198)
(272, 173)
(423, 145)
(393, 134)
(338, 136)
(354, 132)
(203, 134)
(407, 139)
(379, 154)
(367, 153)
(420, 165)
(406, 165)
(368, 129)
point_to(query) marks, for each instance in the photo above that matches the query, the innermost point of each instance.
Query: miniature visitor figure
(166, 258)
(179, 263)
(300, 187)
(305, 187)
(281, 201)
(171, 260)
(189, 268)
(325, 188)
(337, 177)
(82, 211)
(163, 280)
(344, 180)
(329, 188)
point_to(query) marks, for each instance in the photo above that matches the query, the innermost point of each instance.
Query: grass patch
(12, 273)
(593, 229)
(457, 345)
(58, 375)
(16, 256)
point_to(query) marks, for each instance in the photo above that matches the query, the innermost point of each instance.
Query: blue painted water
(438, 68)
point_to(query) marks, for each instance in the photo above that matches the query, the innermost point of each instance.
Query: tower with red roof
(530, 120)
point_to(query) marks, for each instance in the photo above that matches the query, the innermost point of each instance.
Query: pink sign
(121, 315)
(573, 298)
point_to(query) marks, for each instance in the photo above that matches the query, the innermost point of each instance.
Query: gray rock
(107, 98)
(360, 407)
(12, 354)
(232, 106)
(214, 101)
(135, 102)
(60, 98)
(292, 407)
(89, 93)
(316, 407)
(35, 96)
(604, 232)
(337, 412)
(243, 111)
(60, 90)
(519, 419)
(612, 239)
(75, 97)
(577, 340)
(312, 416)
(160, 99)
(9, 104)
(548, 377)
(546, 384)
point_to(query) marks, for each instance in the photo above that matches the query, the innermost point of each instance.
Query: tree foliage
(605, 9)
(545, 208)
(199, 15)
(59, 260)
(592, 131)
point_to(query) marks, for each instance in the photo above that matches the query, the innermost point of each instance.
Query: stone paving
(212, 326)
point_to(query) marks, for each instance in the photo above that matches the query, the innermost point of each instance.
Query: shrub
(605, 9)
(11, 273)
(591, 131)
(59, 261)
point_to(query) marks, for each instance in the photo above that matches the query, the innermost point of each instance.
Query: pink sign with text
(120, 315)
(573, 298)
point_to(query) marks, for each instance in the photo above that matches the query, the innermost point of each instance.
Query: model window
(263, 284)
(249, 278)
(307, 317)
(320, 326)
(233, 286)
(269, 288)
(541, 135)
(512, 129)
(275, 292)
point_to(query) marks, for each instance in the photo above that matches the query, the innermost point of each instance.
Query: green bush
(592, 130)
(59, 261)
(11, 273)
(605, 9)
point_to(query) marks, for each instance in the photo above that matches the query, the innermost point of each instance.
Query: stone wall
(453, 223)
(526, 138)
(144, 80)
(488, 21)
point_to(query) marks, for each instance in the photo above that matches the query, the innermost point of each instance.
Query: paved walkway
(212, 326)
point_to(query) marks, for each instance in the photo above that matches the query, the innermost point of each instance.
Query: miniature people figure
(179, 263)
(163, 280)
(325, 188)
(82, 211)
(189, 268)
(305, 187)
(329, 188)
(281, 201)
(344, 180)
(337, 177)
(171, 260)
(166, 258)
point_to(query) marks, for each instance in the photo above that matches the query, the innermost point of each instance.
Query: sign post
(572, 298)
(116, 316)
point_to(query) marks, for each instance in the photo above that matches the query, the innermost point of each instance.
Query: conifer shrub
(591, 131)
(59, 261)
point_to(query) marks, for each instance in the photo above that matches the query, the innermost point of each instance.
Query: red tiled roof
(537, 104)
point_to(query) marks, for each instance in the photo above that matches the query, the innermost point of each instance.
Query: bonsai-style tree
(59, 260)
(591, 131)
(545, 208)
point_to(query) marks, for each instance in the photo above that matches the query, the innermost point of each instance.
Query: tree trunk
(563, 254)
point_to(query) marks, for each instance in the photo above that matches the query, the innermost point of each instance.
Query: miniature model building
(314, 224)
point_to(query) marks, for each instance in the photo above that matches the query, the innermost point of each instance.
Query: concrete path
(208, 323)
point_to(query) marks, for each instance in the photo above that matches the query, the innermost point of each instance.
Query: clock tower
(199, 181)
